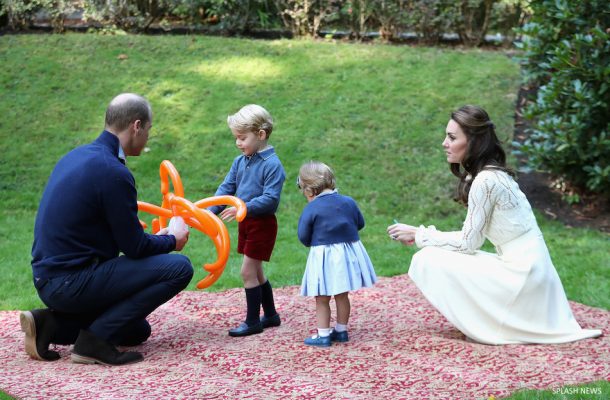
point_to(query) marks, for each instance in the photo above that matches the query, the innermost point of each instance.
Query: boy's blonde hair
(251, 118)
(315, 177)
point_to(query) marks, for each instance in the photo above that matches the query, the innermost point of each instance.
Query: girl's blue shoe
(318, 341)
(340, 337)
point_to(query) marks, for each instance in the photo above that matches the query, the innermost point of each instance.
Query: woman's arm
(481, 202)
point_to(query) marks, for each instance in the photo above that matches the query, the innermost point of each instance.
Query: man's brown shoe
(89, 349)
(39, 327)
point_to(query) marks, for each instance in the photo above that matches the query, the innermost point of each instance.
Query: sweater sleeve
(481, 202)
(227, 187)
(305, 229)
(359, 216)
(119, 199)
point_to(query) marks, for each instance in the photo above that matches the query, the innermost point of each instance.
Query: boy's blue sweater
(257, 180)
(328, 219)
(88, 213)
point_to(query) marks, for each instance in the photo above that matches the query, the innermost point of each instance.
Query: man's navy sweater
(88, 213)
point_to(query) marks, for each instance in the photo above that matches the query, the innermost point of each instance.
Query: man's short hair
(126, 108)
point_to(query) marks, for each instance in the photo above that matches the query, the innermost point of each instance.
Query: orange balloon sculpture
(196, 216)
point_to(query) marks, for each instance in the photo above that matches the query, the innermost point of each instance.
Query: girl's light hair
(251, 118)
(315, 177)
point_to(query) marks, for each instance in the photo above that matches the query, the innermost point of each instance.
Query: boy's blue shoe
(318, 341)
(340, 337)
(269, 322)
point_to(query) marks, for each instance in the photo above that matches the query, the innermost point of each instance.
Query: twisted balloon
(196, 216)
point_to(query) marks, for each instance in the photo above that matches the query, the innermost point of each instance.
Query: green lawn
(375, 113)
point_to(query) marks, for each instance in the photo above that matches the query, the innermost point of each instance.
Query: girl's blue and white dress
(337, 261)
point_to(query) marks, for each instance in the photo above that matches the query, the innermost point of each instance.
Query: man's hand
(179, 229)
(182, 236)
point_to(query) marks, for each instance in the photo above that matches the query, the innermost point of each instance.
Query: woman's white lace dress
(514, 296)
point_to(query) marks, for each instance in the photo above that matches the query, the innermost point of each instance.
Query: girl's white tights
(324, 332)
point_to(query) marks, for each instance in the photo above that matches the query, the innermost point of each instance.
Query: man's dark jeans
(113, 299)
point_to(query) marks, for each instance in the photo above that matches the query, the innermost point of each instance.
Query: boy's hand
(228, 214)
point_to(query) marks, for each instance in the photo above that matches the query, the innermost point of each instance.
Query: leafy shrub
(305, 17)
(473, 19)
(508, 14)
(19, 13)
(567, 55)
(391, 16)
(192, 12)
(239, 16)
(357, 15)
(428, 19)
(431, 18)
(133, 15)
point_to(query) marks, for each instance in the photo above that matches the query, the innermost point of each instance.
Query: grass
(598, 390)
(591, 391)
(376, 114)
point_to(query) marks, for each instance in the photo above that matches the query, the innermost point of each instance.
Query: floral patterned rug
(399, 348)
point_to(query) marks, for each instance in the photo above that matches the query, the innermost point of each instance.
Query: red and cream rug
(399, 348)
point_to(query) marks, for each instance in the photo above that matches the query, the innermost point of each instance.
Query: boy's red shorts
(257, 237)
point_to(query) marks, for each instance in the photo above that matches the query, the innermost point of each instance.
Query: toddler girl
(337, 262)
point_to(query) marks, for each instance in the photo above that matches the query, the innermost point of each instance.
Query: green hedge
(567, 56)
(471, 20)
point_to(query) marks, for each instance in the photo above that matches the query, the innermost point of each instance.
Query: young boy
(256, 177)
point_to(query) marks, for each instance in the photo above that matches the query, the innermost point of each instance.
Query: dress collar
(327, 192)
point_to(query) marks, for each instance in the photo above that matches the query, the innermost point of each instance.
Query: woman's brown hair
(484, 150)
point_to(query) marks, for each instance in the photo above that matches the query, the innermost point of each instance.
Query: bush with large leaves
(567, 56)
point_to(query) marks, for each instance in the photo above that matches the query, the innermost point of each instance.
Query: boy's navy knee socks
(267, 299)
(253, 301)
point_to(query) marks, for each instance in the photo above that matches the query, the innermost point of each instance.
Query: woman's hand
(404, 233)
